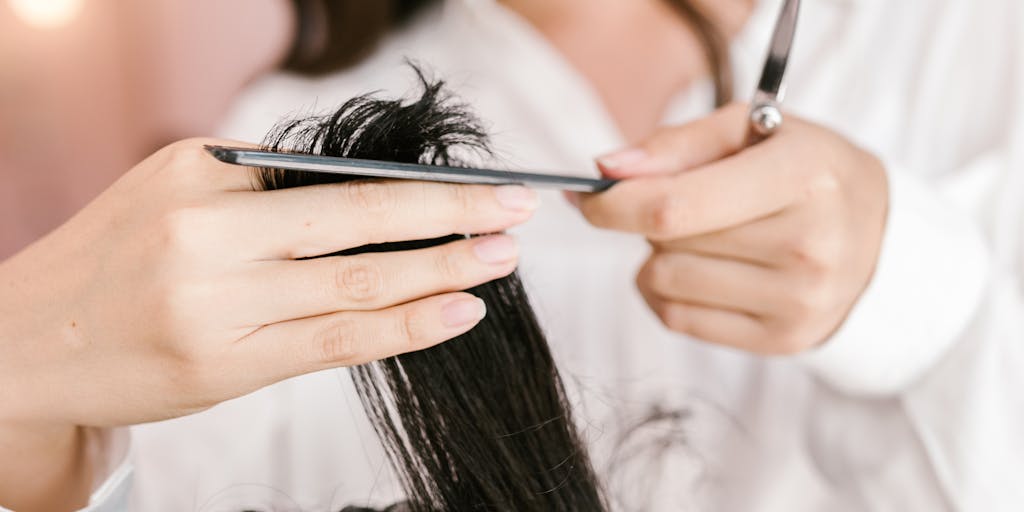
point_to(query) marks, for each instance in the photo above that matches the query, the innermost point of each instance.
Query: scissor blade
(778, 52)
(396, 170)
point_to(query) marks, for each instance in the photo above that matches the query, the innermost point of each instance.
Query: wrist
(30, 340)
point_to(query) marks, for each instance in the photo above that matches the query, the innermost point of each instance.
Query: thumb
(679, 148)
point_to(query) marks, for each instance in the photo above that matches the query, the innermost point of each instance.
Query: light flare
(46, 13)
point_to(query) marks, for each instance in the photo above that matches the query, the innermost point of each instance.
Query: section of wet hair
(480, 422)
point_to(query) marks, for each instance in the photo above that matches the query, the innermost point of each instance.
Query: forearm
(46, 467)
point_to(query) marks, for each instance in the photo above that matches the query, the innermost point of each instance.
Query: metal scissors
(765, 116)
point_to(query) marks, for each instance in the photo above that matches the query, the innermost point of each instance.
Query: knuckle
(339, 342)
(817, 279)
(667, 217)
(819, 185)
(809, 295)
(448, 264)
(414, 327)
(801, 248)
(464, 198)
(360, 280)
(371, 196)
(809, 303)
(181, 227)
(182, 166)
(810, 253)
(187, 153)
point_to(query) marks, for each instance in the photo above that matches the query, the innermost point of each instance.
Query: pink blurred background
(83, 101)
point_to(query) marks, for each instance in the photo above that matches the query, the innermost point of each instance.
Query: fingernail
(620, 159)
(462, 312)
(516, 197)
(496, 249)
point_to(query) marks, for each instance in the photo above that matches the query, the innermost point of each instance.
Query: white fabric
(916, 404)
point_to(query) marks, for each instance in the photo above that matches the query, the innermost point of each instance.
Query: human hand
(764, 248)
(180, 287)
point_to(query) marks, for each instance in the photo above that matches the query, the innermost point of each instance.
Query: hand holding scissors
(763, 235)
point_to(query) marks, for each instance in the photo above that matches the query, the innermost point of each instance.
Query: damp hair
(481, 422)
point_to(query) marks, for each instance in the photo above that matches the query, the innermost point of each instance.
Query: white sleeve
(953, 243)
(112, 470)
(941, 328)
(112, 496)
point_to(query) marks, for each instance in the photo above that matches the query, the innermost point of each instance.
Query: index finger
(744, 187)
(321, 219)
(678, 148)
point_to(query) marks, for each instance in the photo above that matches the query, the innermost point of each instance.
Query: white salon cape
(915, 404)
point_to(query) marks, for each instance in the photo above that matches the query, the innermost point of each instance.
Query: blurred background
(90, 87)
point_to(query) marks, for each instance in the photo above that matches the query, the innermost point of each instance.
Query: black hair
(481, 422)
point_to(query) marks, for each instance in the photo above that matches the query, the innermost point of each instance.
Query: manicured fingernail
(620, 159)
(496, 249)
(518, 198)
(462, 312)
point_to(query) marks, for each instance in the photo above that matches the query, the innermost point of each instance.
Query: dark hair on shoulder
(332, 35)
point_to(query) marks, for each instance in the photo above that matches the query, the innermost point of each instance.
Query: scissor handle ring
(765, 118)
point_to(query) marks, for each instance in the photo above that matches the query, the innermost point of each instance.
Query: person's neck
(637, 54)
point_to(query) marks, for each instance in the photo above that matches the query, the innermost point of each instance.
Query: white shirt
(917, 403)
